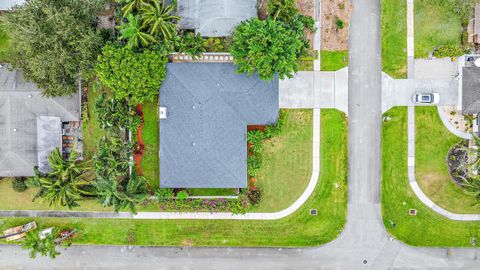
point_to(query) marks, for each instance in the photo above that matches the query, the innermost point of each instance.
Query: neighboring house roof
(22, 107)
(203, 139)
(215, 18)
(471, 90)
(8, 4)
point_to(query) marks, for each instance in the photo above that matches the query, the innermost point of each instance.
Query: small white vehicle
(426, 98)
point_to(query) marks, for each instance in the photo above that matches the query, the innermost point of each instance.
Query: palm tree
(132, 32)
(64, 184)
(123, 195)
(472, 186)
(132, 5)
(158, 19)
(45, 246)
(113, 157)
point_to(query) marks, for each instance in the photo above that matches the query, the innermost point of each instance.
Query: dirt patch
(334, 38)
(140, 150)
(187, 243)
(307, 8)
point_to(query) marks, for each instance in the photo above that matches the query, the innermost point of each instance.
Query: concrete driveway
(400, 92)
(442, 68)
(315, 89)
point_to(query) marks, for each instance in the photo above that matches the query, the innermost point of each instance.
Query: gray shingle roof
(215, 18)
(471, 90)
(21, 103)
(203, 139)
(8, 4)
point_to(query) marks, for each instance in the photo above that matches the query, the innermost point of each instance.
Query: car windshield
(425, 98)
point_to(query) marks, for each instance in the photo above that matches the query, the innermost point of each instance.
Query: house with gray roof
(30, 124)
(214, 18)
(471, 90)
(9, 4)
(205, 109)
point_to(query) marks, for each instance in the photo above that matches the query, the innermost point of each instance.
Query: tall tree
(132, 76)
(130, 6)
(159, 19)
(125, 194)
(132, 32)
(269, 47)
(64, 184)
(54, 42)
(36, 245)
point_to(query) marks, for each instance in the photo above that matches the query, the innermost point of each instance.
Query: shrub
(164, 194)
(339, 23)
(114, 113)
(255, 138)
(464, 38)
(19, 184)
(253, 165)
(254, 195)
(448, 51)
(273, 130)
(269, 47)
(213, 44)
(282, 9)
(132, 76)
(191, 44)
(182, 195)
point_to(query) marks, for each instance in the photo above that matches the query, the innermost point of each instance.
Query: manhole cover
(364, 261)
(313, 212)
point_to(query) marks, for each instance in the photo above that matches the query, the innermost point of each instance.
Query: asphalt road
(363, 245)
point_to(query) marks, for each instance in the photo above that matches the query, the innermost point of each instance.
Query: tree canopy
(65, 183)
(54, 42)
(133, 76)
(269, 47)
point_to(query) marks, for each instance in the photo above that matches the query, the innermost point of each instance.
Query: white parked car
(426, 98)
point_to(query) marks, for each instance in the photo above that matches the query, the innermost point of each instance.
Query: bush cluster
(19, 184)
(448, 51)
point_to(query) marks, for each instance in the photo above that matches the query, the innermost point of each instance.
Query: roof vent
(162, 112)
(14, 130)
(29, 96)
(193, 144)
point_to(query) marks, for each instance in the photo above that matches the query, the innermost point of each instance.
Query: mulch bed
(138, 154)
(457, 157)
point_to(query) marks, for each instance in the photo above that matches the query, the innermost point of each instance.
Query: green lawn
(435, 24)
(150, 135)
(4, 42)
(394, 37)
(433, 141)
(12, 200)
(299, 229)
(427, 228)
(212, 191)
(333, 60)
(287, 163)
(92, 132)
